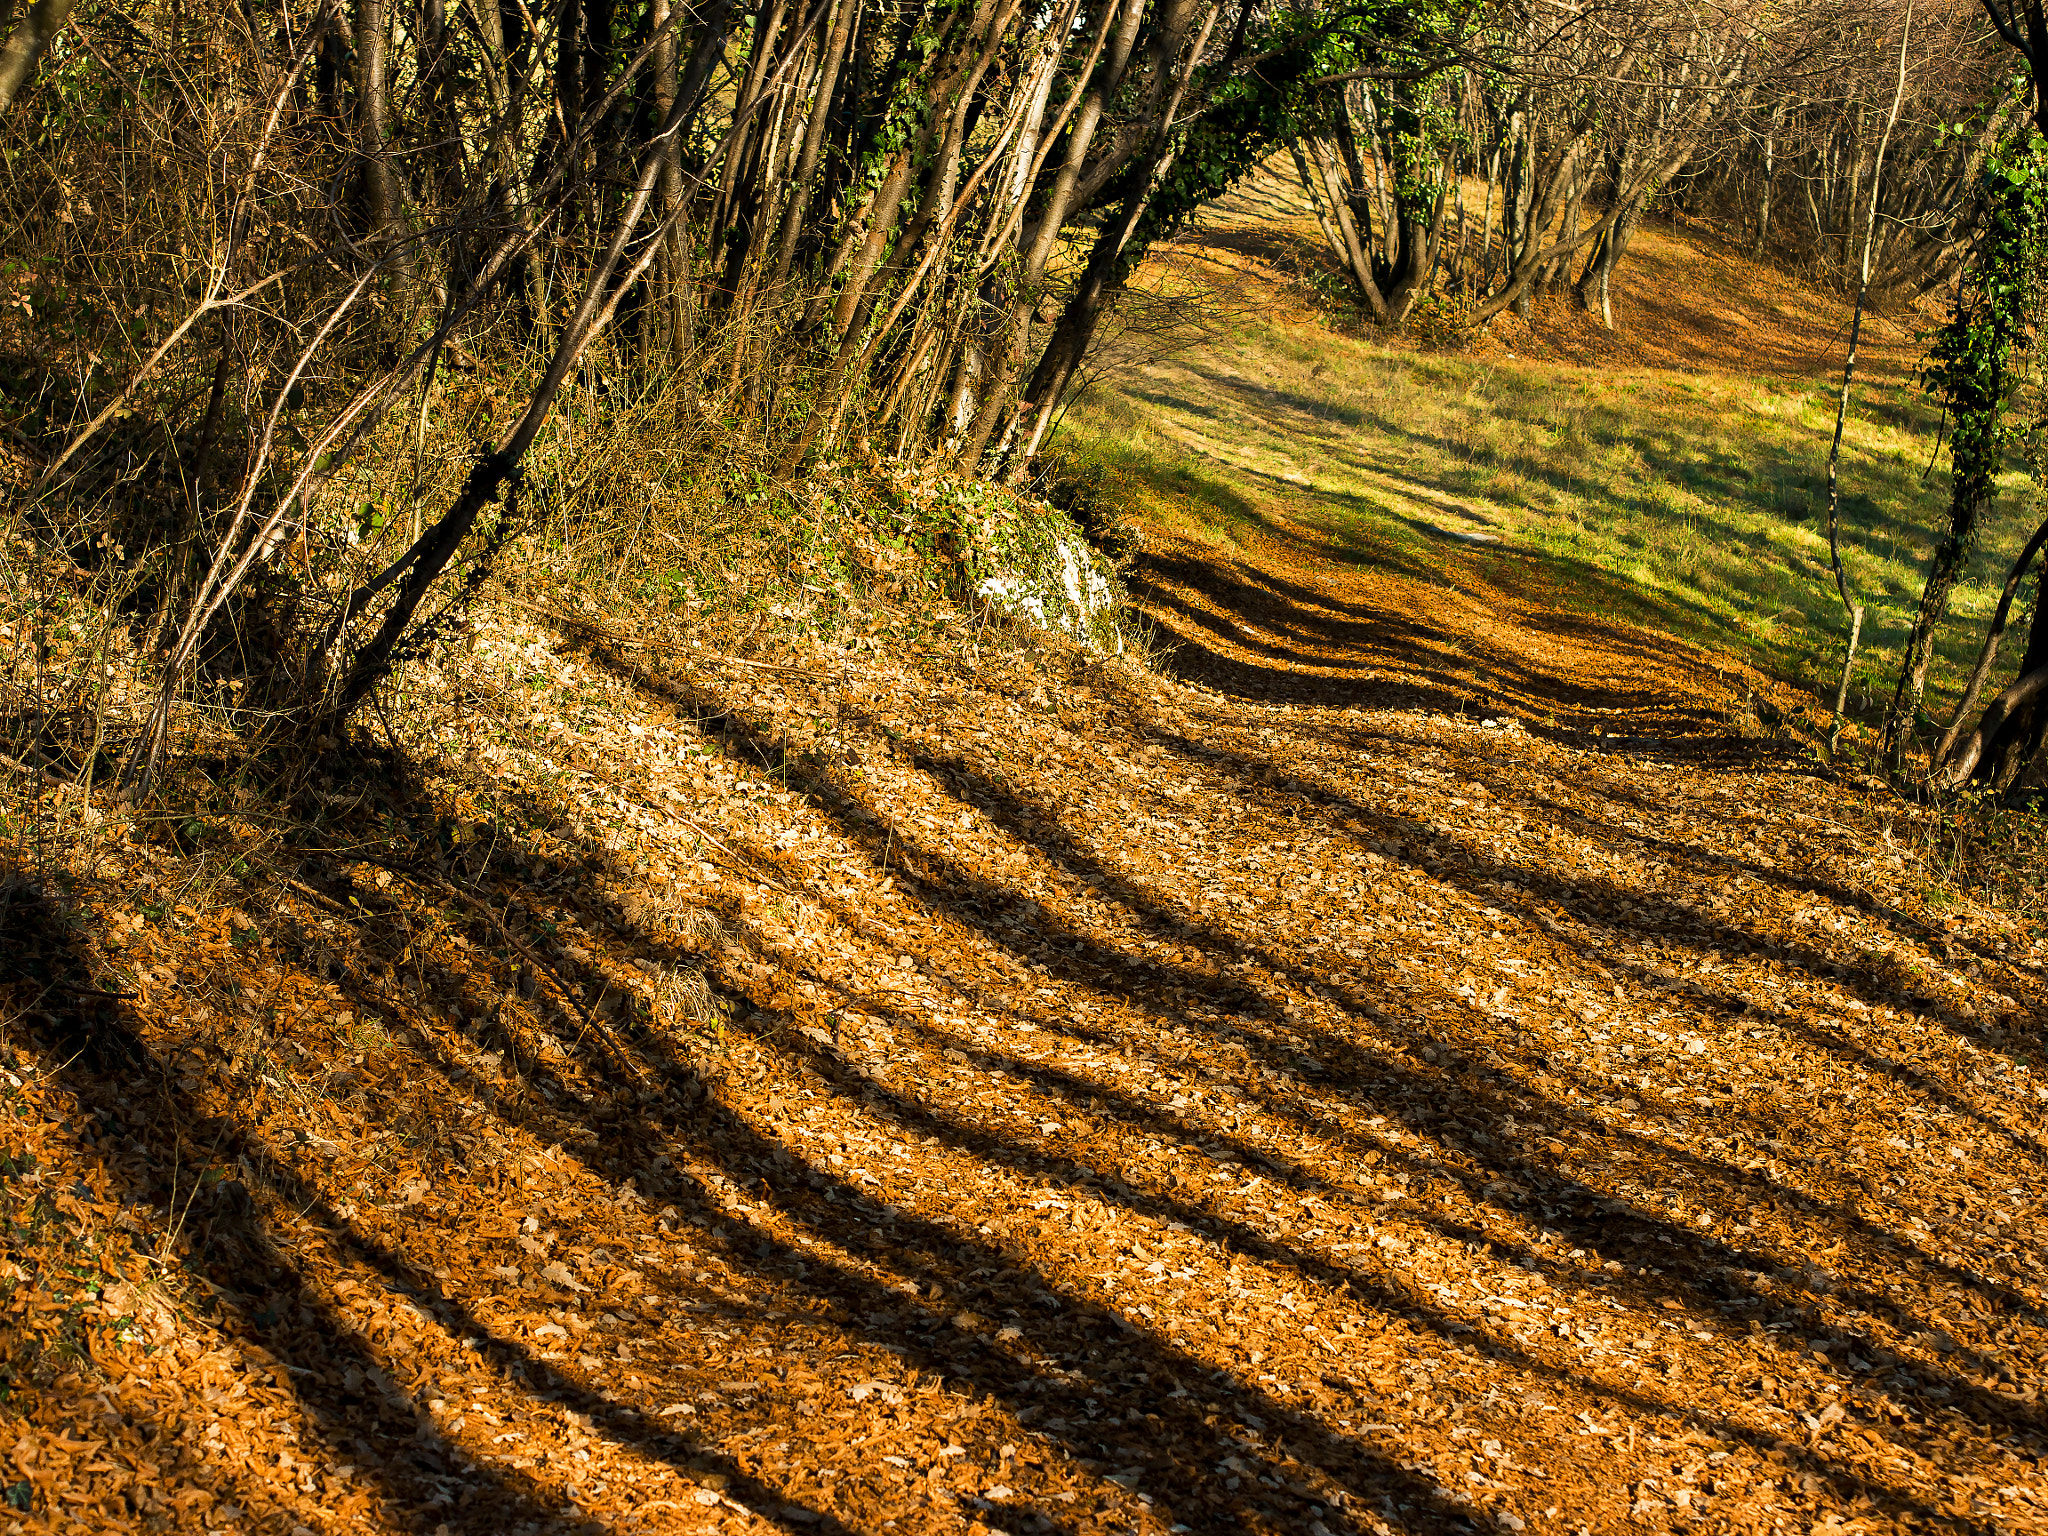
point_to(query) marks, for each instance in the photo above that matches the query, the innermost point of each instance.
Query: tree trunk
(1763, 202)
(2017, 738)
(1966, 508)
(1338, 211)
(1987, 655)
(1970, 369)
(1457, 278)
(1623, 232)
(380, 190)
(1068, 343)
(1486, 223)
(1359, 192)
(814, 136)
(1107, 271)
(1854, 179)
(1517, 199)
(868, 257)
(1590, 290)
(29, 42)
(1850, 606)
(673, 292)
(1416, 198)
(1037, 243)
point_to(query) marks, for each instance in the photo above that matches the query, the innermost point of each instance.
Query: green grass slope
(1689, 501)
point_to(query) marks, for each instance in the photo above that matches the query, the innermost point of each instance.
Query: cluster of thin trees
(1795, 176)
(1525, 168)
(249, 242)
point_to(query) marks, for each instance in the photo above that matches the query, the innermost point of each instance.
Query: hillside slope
(1673, 474)
(923, 1080)
(1422, 1048)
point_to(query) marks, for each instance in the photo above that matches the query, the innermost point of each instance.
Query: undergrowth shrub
(1084, 488)
(1440, 321)
(627, 502)
(1990, 845)
(1017, 553)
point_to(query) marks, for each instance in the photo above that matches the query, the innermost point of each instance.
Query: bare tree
(1852, 608)
(1571, 123)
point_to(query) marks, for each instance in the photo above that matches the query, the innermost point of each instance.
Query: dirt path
(1342, 1091)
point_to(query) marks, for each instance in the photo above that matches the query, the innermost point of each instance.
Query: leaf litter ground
(929, 1082)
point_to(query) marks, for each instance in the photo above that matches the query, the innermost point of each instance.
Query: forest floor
(1417, 1057)
(1273, 1099)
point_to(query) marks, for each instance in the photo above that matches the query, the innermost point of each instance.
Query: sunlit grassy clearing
(1702, 496)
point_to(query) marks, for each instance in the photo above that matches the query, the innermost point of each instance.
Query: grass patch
(1694, 504)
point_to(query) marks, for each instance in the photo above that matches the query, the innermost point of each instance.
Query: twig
(749, 870)
(49, 776)
(853, 1000)
(319, 896)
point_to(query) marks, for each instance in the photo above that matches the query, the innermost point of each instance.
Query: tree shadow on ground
(1757, 582)
(943, 885)
(244, 1240)
(1349, 653)
(809, 1254)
